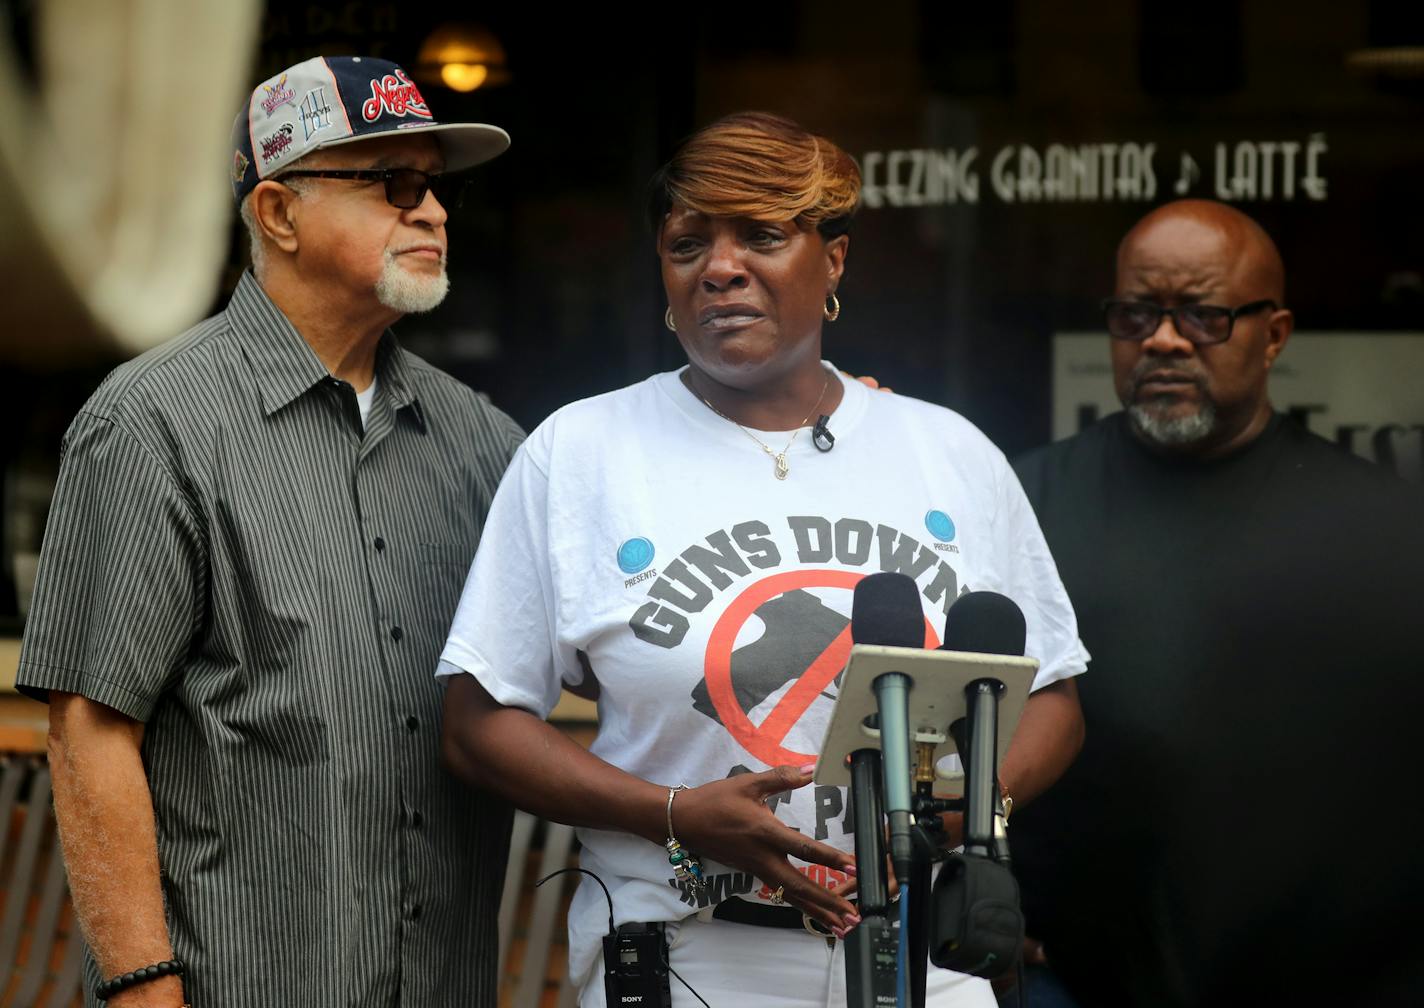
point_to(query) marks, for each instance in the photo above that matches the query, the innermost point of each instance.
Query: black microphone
(977, 926)
(985, 622)
(885, 611)
(821, 435)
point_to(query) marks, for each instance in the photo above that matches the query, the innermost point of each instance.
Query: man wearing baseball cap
(257, 541)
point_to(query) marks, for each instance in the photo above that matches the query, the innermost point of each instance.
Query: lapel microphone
(821, 435)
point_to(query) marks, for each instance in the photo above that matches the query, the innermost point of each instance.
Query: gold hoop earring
(832, 308)
(667, 319)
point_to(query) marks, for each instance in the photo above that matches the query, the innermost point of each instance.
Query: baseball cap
(331, 100)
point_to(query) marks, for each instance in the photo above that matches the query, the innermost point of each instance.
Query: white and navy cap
(331, 100)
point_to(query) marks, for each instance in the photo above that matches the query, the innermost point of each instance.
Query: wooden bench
(533, 944)
(41, 948)
(43, 951)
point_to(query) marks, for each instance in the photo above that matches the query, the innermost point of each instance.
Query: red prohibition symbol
(765, 741)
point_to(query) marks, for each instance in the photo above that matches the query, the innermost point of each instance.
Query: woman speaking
(687, 547)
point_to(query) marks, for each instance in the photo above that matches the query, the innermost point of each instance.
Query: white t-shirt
(365, 398)
(713, 600)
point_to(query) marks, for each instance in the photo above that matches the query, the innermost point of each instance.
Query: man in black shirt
(1240, 827)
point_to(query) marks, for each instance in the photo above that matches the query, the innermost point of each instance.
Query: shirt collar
(394, 370)
(285, 365)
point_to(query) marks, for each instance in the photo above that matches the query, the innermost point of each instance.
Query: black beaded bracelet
(169, 967)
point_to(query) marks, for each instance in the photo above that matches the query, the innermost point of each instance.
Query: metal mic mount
(940, 696)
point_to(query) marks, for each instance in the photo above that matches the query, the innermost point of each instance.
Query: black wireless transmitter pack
(635, 967)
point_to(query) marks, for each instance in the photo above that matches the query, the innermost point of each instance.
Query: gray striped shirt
(230, 559)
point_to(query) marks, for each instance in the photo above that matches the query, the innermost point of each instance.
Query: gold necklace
(782, 467)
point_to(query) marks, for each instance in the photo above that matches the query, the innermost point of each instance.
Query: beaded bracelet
(112, 986)
(684, 863)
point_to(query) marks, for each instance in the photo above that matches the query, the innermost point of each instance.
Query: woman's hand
(515, 754)
(728, 821)
(851, 886)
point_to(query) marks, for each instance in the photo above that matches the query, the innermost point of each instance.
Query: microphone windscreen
(984, 622)
(886, 610)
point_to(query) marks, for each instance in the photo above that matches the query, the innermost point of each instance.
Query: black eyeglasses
(1200, 324)
(405, 187)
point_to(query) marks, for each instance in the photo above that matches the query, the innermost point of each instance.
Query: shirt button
(415, 912)
(397, 633)
(380, 543)
(412, 723)
(416, 819)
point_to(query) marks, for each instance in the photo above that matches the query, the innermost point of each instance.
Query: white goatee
(1173, 431)
(407, 292)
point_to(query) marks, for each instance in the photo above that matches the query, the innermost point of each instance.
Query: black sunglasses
(405, 187)
(1200, 324)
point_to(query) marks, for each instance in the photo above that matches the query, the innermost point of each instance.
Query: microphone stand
(916, 832)
(928, 837)
(977, 742)
(976, 738)
(986, 685)
(871, 947)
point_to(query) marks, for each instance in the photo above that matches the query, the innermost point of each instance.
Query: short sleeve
(1030, 578)
(121, 584)
(505, 630)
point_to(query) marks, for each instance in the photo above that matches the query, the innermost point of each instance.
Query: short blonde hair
(762, 166)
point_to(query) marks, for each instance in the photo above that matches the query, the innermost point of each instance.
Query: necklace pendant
(781, 467)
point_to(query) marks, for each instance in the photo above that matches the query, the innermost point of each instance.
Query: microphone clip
(821, 435)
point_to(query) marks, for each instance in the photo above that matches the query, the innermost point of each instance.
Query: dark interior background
(555, 292)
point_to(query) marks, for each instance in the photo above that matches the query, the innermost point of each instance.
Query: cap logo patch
(315, 112)
(394, 94)
(278, 94)
(274, 145)
(239, 167)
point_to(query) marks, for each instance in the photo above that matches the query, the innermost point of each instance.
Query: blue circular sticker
(634, 555)
(939, 525)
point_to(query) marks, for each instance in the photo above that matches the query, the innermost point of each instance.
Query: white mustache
(392, 253)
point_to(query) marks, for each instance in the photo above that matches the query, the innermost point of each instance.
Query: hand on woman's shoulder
(869, 382)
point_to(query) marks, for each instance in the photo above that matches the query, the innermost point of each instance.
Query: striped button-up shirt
(233, 560)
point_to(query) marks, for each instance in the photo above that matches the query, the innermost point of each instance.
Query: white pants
(744, 966)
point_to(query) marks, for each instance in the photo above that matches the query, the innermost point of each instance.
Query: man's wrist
(163, 992)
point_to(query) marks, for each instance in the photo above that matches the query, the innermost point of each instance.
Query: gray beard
(1174, 431)
(407, 293)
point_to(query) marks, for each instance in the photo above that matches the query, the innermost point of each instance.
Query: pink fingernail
(839, 933)
(808, 768)
(849, 870)
(851, 920)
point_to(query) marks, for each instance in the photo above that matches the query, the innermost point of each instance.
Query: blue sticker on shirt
(940, 526)
(635, 555)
